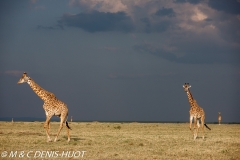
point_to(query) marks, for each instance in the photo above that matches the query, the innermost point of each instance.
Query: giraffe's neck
(190, 98)
(42, 93)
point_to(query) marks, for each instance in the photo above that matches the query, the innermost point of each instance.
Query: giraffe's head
(186, 86)
(24, 78)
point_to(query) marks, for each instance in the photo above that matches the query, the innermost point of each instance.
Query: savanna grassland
(119, 141)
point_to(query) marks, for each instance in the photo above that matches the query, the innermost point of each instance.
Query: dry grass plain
(121, 141)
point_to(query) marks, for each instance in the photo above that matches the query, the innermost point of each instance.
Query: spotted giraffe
(196, 113)
(52, 106)
(219, 118)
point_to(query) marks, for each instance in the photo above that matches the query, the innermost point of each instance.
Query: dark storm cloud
(229, 6)
(119, 76)
(189, 1)
(208, 20)
(129, 76)
(56, 27)
(147, 23)
(99, 21)
(163, 26)
(169, 12)
(209, 56)
(160, 26)
(155, 51)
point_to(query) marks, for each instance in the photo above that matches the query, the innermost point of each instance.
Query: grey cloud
(127, 76)
(155, 51)
(99, 21)
(169, 12)
(208, 56)
(229, 6)
(147, 23)
(180, 1)
(189, 1)
(57, 27)
(135, 76)
(159, 26)
(163, 26)
(208, 20)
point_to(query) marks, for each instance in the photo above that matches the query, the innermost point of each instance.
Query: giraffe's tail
(68, 125)
(207, 126)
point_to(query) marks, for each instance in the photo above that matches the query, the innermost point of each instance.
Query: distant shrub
(118, 127)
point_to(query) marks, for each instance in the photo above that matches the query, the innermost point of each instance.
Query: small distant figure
(71, 119)
(12, 120)
(219, 118)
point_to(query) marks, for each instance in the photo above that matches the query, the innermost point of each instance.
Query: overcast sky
(121, 60)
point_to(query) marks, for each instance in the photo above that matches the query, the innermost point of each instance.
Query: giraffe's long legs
(202, 123)
(62, 121)
(195, 127)
(68, 133)
(60, 128)
(190, 125)
(47, 127)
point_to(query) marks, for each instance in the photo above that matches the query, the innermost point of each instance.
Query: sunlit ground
(116, 141)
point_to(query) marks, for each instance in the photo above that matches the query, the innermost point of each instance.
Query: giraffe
(71, 119)
(219, 118)
(52, 106)
(196, 113)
